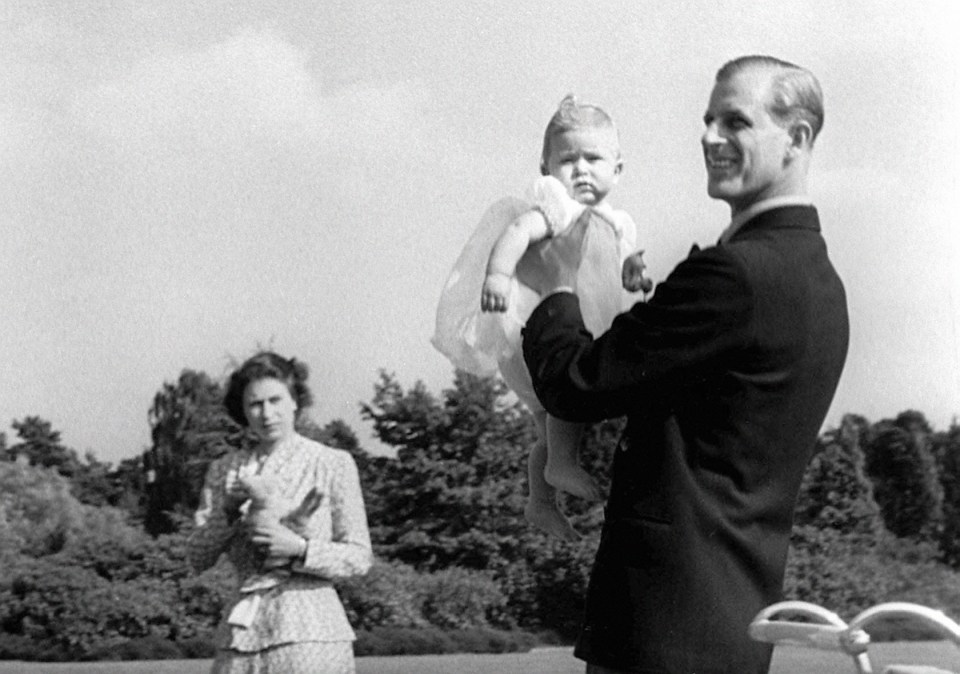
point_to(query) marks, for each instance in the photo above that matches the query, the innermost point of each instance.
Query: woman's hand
(276, 540)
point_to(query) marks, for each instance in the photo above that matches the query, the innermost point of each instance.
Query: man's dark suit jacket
(725, 375)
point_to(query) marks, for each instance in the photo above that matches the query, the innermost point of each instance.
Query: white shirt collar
(756, 209)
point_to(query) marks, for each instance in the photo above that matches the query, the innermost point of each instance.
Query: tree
(946, 450)
(899, 461)
(41, 446)
(835, 492)
(454, 493)
(95, 483)
(189, 428)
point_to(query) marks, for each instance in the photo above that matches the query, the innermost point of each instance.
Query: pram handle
(829, 632)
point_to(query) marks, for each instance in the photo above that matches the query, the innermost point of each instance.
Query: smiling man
(725, 375)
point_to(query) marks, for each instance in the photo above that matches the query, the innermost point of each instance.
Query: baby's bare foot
(575, 481)
(546, 516)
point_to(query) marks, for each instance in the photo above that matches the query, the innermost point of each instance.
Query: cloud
(255, 89)
(253, 86)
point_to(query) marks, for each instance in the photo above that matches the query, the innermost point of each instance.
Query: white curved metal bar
(916, 612)
(829, 633)
(804, 608)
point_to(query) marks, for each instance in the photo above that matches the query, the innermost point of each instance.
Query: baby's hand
(496, 290)
(632, 274)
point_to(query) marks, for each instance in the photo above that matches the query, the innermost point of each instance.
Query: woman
(286, 616)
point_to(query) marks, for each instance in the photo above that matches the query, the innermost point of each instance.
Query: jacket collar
(784, 217)
(742, 218)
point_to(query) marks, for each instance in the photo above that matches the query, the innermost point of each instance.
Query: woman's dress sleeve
(213, 532)
(348, 553)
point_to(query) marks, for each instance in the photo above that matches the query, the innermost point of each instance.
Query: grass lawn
(786, 660)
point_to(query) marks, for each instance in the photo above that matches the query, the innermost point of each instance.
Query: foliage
(457, 562)
(903, 470)
(946, 450)
(835, 493)
(434, 641)
(40, 446)
(37, 512)
(848, 574)
(454, 494)
(386, 596)
(149, 647)
(456, 598)
(842, 556)
(189, 428)
(393, 594)
(103, 582)
(93, 482)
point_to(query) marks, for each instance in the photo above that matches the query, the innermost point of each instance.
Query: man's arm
(698, 314)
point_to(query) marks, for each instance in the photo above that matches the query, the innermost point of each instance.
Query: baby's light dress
(486, 342)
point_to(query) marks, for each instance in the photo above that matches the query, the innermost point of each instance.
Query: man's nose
(711, 135)
(581, 165)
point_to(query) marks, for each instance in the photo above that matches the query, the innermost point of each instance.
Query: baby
(580, 164)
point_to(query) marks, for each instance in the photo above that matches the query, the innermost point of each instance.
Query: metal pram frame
(825, 630)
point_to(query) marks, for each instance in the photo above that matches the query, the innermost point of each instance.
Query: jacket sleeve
(699, 314)
(213, 532)
(348, 553)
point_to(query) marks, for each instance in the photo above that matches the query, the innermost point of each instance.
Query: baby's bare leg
(563, 469)
(542, 510)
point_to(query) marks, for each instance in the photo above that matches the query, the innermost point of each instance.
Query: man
(725, 375)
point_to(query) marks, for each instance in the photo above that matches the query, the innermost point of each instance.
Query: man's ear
(801, 136)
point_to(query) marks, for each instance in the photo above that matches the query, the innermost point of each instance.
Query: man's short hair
(794, 91)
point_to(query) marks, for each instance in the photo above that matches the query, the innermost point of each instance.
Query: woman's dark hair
(267, 365)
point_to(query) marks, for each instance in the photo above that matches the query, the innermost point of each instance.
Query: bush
(63, 600)
(560, 575)
(403, 641)
(385, 597)
(848, 574)
(37, 509)
(144, 648)
(433, 641)
(198, 648)
(458, 599)
(481, 640)
(78, 611)
(393, 594)
(19, 647)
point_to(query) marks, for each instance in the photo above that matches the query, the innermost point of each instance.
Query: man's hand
(632, 274)
(496, 292)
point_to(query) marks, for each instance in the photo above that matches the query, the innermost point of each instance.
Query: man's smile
(721, 162)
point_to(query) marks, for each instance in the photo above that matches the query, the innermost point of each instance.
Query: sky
(183, 183)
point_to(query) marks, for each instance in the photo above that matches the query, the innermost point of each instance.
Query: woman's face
(270, 409)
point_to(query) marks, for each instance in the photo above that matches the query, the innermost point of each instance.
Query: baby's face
(586, 161)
